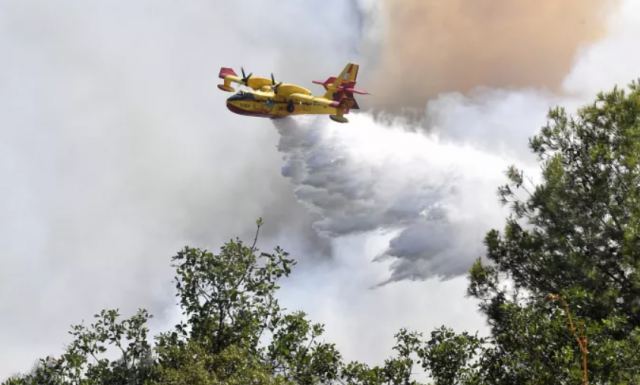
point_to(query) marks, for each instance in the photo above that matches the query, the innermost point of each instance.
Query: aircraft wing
(229, 76)
(297, 97)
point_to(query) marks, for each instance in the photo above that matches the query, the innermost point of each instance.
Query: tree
(230, 304)
(577, 235)
(234, 332)
(86, 360)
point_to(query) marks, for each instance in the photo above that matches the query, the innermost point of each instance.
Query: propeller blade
(245, 77)
(273, 80)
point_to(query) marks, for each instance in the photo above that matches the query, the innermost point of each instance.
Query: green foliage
(296, 354)
(86, 360)
(235, 332)
(193, 364)
(231, 309)
(582, 222)
(397, 370)
(576, 234)
(229, 297)
(450, 357)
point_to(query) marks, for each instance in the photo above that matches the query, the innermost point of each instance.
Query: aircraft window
(241, 95)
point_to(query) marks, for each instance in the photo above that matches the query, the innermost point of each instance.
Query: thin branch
(255, 239)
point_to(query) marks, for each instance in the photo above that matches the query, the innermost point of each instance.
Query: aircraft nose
(231, 104)
(234, 106)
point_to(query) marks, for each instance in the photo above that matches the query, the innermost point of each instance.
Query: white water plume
(438, 196)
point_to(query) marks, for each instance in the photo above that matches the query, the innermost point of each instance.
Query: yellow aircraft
(269, 99)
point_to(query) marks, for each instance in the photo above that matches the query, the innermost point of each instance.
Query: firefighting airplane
(269, 99)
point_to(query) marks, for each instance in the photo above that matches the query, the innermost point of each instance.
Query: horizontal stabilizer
(325, 83)
(229, 76)
(226, 88)
(353, 90)
(224, 72)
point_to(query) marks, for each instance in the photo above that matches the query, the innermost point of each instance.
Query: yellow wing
(310, 99)
(229, 76)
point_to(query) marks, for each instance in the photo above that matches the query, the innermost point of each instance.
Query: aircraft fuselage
(268, 106)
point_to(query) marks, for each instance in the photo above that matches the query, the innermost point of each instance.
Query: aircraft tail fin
(341, 88)
(229, 76)
(349, 73)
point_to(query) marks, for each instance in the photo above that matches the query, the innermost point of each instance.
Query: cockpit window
(241, 95)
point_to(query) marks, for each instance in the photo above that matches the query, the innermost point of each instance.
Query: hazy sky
(116, 150)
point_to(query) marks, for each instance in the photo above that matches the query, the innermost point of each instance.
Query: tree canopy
(574, 236)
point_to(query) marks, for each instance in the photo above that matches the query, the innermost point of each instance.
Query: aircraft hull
(276, 110)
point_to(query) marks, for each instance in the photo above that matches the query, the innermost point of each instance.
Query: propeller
(274, 85)
(245, 78)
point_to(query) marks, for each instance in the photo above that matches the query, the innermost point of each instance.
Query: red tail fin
(341, 88)
(224, 71)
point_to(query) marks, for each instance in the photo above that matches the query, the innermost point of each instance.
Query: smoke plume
(441, 46)
(116, 150)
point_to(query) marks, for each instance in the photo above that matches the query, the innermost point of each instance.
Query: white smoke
(434, 186)
(116, 150)
(436, 193)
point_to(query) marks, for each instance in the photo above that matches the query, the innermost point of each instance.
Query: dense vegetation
(560, 288)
